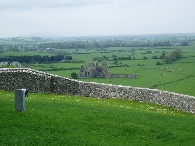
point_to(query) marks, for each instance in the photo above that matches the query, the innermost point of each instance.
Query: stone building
(93, 70)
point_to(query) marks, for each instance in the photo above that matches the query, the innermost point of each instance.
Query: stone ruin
(93, 70)
(41, 82)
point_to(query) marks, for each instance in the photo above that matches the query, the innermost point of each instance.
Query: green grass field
(52, 119)
(179, 77)
(70, 120)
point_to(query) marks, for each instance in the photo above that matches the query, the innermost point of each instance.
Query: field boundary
(181, 79)
(41, 82)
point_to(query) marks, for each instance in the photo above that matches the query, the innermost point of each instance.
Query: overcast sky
(95, 17)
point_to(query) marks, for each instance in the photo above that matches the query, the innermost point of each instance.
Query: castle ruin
(93, 70)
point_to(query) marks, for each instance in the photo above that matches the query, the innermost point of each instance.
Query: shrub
(74, 75)
(155, 57)
(158, 63)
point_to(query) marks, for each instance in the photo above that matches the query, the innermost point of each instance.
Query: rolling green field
(52, 119)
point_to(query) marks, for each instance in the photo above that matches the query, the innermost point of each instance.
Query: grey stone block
(20, 100)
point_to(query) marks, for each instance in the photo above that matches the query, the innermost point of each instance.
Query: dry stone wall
(123, 76)
(36, 81)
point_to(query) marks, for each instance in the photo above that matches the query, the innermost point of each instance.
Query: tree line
(77, 44)
(32, 59)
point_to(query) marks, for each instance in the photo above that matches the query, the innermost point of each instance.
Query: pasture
(52, 119)
(179, 76)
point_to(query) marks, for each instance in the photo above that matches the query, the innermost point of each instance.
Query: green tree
(167, 59)
(74, 75)
(105, 57)
(155, 57)
(158, 63)
(184, 44)
(175, 55)
(145, 57)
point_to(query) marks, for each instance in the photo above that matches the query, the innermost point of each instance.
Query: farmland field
(52, 119)
(179, 76)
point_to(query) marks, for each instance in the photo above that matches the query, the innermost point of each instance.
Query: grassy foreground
(70, 120)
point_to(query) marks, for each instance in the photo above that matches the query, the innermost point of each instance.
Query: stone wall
(36, 81)
(123, 76)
